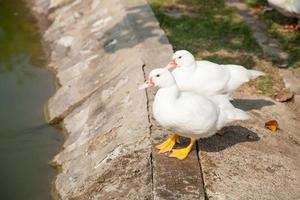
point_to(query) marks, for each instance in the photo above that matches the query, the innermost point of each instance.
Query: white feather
(189, 114)
(208, 78)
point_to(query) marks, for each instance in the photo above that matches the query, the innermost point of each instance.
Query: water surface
(27, 143)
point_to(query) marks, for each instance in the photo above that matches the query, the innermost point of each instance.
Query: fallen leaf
(257, 9)
(284, 96)
(272, 125)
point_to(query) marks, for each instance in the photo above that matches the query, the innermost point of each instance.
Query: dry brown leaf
(257, 9)
(284, 96)
(272, 125)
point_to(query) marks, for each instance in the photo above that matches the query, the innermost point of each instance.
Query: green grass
(277, 27)
(213, 31)
(255, 3)
(212, 26)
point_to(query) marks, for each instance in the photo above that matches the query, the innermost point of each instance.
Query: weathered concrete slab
(109, 138)
(251, 162)
(174, 179)
(78, 55)
(98, 51)
(290, 80)
(294, 104)
(81, 55)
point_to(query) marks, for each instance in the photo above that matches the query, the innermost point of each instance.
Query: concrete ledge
(98, 50)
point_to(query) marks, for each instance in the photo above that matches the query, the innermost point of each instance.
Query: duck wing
(196, 113)
(228, 113)
(211, 78)
(239, 75)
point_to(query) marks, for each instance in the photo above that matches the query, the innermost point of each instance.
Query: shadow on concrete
(232, 135)
(251, 104)
(217, 34)
(135, 28)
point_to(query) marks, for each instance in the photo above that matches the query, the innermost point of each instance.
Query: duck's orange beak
(172, 64)
(148, 83)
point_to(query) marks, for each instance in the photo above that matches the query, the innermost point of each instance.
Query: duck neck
(194, 66)
(168, 93)
(191, 67)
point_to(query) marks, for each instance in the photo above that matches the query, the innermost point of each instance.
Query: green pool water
(27, 142)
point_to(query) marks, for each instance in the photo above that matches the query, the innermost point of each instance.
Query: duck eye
(157, 75)
(180, 57)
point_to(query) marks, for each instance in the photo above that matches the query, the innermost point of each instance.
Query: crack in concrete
(201, 172)
(152, 175)
(150, 131)
(56, 120)
(147, 97)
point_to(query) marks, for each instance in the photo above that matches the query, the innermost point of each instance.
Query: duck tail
(223, 100)
(255, 74)
(237, 114)
(228, 111)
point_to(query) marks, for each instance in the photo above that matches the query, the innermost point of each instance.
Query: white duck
(208, 78)
(186, 113)
(289, 8)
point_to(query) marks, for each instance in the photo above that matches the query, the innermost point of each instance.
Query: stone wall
(98, 50)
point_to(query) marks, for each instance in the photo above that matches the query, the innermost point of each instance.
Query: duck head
(160, 77)
(181, 58)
